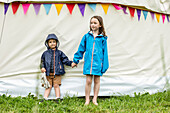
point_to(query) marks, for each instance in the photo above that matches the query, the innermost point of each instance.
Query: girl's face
(94, 24)
(52, 43)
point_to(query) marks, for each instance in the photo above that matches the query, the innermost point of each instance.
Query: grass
(145, 103)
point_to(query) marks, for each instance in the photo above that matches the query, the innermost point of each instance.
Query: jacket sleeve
(105, 58)
(42, 64)
(65, 60)
(82, 48)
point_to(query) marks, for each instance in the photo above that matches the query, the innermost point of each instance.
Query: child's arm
(65, 59)
(105, 54)
(42, 65)
(82, 48)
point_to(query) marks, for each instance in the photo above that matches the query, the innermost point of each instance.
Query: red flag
(132, 11)
(15, 6)
(70, 7)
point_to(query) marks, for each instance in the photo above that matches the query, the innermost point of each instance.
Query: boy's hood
(51, 36)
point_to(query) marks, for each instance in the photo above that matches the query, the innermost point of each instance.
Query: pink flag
(117, 6)
(25, 7)
(163, 18)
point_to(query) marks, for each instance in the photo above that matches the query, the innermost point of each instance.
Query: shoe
(42, 100)
(57, 101)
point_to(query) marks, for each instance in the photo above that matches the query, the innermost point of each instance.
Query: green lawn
(145, 103)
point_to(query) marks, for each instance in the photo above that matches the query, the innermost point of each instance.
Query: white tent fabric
(162, 6)
(138, 51)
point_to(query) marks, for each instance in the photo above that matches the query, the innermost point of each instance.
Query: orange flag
(105, 7)
(59, 7)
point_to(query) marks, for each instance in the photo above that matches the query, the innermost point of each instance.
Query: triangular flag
(145, 13)
(132, 11)
(6, 5)
(117, 6)
(47, 8)
(25, 7)
(157, 17)
(59, 7)
(163, 18)
(92, 6)
(152, 14)
(15, 6)
(82, 7)
(168, 18)
(36, 7)
(70, 7)
(124, 9)
(138, 13)
(105, 7)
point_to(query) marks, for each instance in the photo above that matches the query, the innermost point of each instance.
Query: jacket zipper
(92, 56)
(54, 62)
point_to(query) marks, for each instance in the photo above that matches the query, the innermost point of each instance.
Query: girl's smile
(94, 24)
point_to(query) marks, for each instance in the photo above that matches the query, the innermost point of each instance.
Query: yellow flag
(58, 7)
(105, 7)
(157, 17)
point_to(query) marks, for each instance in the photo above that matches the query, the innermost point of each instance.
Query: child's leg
(57, 90)
(47, 92)
(88, 88)
(57, 83)
(96, 88)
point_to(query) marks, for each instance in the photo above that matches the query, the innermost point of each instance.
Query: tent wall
(138, 51)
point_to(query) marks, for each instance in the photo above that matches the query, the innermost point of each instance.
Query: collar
(52, 50)
(100, 35)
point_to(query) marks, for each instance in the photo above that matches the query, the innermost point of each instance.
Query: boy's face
(52, 43)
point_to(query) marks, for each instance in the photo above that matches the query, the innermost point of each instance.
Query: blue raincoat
(96, 55)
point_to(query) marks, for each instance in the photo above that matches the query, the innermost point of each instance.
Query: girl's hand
(43, 70)
(73, 65)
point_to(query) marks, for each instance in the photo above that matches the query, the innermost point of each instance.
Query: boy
(52, 61)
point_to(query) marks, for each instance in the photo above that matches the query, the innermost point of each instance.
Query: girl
(94, 44)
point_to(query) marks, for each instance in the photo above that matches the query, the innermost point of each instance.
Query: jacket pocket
(61, 68)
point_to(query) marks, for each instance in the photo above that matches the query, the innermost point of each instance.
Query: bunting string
(82, 6)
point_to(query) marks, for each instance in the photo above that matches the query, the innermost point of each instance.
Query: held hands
(43, 70)
(73, 65)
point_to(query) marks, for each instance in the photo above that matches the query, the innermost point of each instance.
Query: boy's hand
(73, 65)
(43, 70)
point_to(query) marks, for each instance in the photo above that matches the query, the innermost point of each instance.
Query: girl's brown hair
(101, 29)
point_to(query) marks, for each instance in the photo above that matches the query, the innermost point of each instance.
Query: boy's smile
(52, 43)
